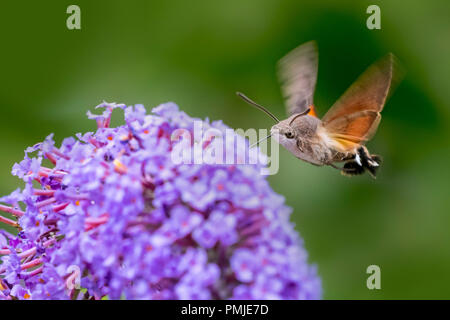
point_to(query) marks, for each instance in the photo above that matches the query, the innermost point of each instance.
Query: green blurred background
(198, 53)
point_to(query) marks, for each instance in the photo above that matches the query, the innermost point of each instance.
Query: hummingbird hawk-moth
(340, 135)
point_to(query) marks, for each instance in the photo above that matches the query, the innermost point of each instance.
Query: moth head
(283, 130)
(287, 129)
(284, 135)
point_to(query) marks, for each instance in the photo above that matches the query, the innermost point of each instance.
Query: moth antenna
(256, 143)
(260, 107)
(300, 114)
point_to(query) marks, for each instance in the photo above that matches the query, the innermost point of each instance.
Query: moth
(340, 135)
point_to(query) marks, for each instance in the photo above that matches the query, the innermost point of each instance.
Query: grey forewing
(297, 73)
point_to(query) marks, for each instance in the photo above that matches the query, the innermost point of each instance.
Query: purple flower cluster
(109, 215)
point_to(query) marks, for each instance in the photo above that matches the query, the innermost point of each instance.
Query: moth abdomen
(352, 168)
(363, 161)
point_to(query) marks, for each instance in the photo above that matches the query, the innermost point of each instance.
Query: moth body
(340, 135)
(306, 143)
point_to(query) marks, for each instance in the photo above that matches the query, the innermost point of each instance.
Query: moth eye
(289, 135)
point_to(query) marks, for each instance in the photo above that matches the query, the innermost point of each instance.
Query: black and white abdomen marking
(362, 161)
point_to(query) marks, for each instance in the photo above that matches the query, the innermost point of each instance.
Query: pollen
(146, 131)
(77, 202)
(110, 138)
(119, 167)
(26, 296)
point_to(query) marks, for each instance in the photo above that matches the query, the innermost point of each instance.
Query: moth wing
(354, 118)
(350, 131)
(297, 73)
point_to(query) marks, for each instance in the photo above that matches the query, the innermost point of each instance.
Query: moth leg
(334, 166)
(300, 145)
